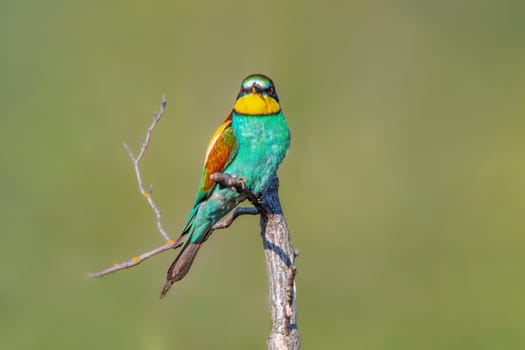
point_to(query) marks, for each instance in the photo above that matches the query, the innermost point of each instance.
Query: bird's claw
(242, 182)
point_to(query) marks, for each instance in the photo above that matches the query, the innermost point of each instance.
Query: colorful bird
(250, 144)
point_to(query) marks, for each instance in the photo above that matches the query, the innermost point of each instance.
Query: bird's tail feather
(180, 266)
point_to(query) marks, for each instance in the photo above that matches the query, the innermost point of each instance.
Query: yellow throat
(254, 104)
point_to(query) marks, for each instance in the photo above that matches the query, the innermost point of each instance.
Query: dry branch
(136, 166)
(280, 254)
(138, 259)
(170, 244)
(280, 265)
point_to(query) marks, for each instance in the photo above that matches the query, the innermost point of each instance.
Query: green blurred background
(404, 188)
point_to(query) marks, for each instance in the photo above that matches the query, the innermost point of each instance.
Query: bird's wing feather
(221, 151)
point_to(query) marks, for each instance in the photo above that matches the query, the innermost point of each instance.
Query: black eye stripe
(258, 89)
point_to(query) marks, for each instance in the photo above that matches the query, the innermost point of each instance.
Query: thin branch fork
(136, 166)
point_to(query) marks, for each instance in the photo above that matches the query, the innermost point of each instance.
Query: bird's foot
(237, 184)
(241, 182)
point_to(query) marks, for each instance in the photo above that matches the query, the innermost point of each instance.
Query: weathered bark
(280, 264)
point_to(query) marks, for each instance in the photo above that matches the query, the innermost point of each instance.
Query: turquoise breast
(262, 145)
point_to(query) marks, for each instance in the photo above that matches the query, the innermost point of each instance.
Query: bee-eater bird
(250, 144)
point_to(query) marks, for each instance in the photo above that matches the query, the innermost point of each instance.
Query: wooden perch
(280, 261)
(280, 265)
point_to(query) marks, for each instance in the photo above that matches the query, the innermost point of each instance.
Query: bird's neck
(256, 105)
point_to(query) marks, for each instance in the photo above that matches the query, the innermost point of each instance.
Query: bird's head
(257, 97)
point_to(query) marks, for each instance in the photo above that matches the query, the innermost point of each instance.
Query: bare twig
(172, 244)
(169, 244)
(228, 220)
(136, 164)
(139, 259)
